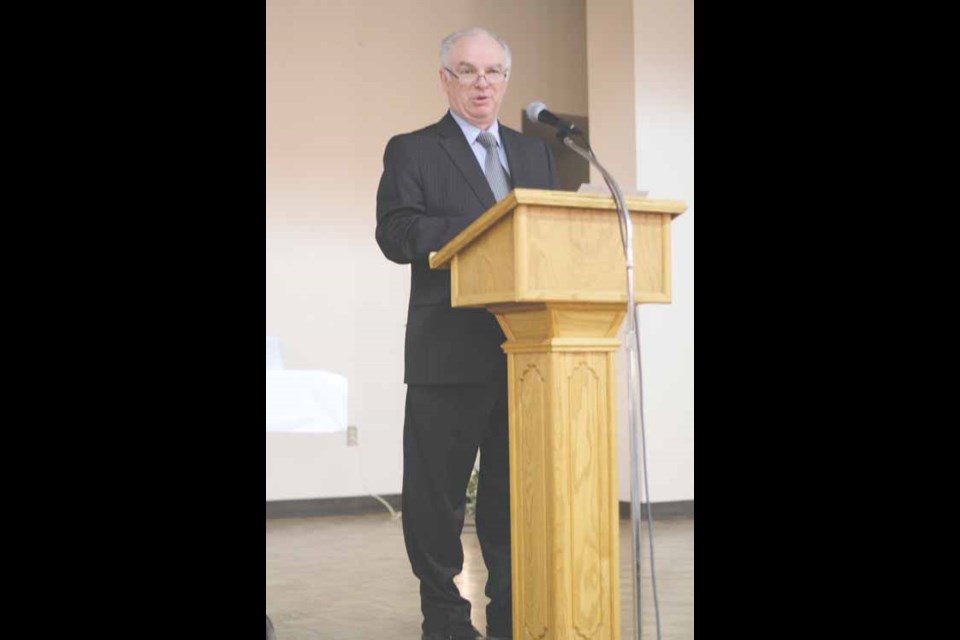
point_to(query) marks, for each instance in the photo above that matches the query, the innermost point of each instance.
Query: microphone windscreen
(533, 110)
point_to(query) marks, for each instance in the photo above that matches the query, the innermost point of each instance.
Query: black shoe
(466, 634)
(459, 634)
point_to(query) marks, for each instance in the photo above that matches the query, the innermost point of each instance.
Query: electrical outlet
(352, 436)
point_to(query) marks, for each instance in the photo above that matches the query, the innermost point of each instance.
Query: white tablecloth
(306, 401)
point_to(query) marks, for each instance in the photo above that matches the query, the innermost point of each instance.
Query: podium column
(563, 468)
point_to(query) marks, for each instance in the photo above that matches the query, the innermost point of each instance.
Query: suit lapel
(455, 144)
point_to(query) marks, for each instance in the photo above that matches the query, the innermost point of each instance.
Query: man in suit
(435, 182)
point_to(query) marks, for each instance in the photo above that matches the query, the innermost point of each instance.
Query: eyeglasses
(469, 78)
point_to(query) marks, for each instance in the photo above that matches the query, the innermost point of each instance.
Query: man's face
(479, 102)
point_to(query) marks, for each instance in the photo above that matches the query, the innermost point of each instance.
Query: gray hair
(451, 40)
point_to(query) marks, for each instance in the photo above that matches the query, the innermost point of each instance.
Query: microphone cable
(634, 391)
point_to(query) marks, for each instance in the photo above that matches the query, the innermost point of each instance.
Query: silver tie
(496, 175)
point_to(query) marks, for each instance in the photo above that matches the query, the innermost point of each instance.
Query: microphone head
(533, 110)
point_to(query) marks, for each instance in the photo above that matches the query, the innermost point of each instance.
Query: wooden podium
(550, 266)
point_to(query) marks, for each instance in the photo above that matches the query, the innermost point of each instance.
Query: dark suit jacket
(431, 189)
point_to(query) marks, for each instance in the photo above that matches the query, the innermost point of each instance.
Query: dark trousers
(443, 428)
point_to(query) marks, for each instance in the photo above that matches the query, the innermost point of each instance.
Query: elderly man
(435, 182)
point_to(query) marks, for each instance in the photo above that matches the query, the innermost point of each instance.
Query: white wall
(664, 63)
(342, 77)
(640, 65)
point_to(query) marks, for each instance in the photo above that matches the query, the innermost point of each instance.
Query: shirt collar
(471, 132)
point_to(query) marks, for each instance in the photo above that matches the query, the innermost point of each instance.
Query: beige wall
(640, 69)
(342, 77)
(611, 92)
(663, 68)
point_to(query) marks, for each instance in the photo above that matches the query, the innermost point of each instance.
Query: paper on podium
(604, 190)
(306, 401)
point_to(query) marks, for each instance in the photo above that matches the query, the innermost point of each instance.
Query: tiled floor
(348, 578)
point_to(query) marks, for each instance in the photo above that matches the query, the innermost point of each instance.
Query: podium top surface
(441, 259)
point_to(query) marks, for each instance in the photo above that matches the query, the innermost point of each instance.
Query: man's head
(474, 65)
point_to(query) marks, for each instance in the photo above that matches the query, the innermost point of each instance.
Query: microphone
(537, 112)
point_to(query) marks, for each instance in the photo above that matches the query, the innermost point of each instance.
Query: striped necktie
(496, 175)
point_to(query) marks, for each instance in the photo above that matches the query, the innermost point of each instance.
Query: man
(435, 182)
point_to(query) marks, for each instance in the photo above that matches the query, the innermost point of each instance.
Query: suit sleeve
(406, 232)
